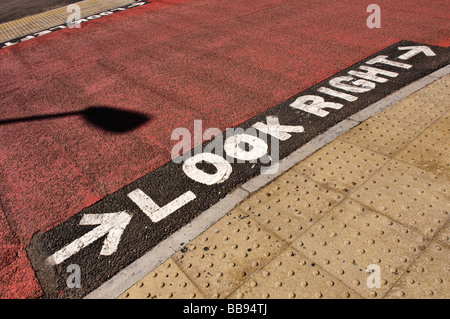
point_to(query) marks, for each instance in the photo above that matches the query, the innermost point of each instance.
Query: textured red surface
(217, 61)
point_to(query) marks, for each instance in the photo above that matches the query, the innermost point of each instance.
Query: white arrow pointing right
(414, 50)
(112, 224)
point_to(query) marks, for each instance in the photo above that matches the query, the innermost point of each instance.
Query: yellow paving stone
(443, 123)
(227, 254)
(437, 94)
(412, 111)
(341, 166)
(428, 276)
(352, 238)
(409, 195)
(289, 205)
(444, 235)
(41, 21)
(425, 106)
(383, 134)
(292, 276)
(430, 151)
(165, 282)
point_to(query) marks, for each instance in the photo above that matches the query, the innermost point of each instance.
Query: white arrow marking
(112, 224)
(414, 50)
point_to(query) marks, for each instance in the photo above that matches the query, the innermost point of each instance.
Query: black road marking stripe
(170, 182)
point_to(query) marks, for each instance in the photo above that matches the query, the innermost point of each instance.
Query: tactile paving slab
(436, 94)
(443, 123)
(291, 204)
(428, 277)
(430, 151)
(352, 237)
(444, 235)
(434, 98)
(292, 276)
(383, 134)
(409, 195)
(165, 282)
(227, 254)
(341, 166)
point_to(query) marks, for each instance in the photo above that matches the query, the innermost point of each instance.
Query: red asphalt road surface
(176, 60)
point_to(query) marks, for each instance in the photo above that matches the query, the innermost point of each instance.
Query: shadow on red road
(104, 117)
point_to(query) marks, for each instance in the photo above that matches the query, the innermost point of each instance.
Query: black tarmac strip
(170, 181)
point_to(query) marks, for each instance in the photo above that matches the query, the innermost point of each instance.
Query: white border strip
(134, 272)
